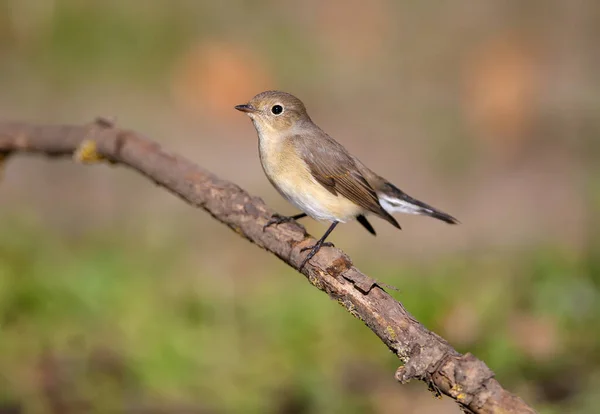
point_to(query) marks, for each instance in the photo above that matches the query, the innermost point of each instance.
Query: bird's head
(274, 111)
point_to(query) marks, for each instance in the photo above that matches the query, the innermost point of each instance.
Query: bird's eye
(277, 109)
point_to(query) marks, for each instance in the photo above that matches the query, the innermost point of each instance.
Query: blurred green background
(117, 297)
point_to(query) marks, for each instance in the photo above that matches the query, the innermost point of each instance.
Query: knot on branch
(462, 377)
(467, 376)
(104, 122)
(87, 152)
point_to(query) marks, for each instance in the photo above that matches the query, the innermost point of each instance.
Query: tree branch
(426, 356)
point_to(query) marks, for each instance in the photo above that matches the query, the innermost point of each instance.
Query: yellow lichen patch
(87, 153)
(457, 391)
(347, 304)
(391, 333)
(350, 308)
(315, 282)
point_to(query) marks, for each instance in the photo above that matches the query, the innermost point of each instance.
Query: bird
(317, 175)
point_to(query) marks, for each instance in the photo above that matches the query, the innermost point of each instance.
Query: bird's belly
(308, 195)
(290, 175)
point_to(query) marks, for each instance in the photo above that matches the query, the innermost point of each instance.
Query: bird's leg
(320, 243)
(278, 219)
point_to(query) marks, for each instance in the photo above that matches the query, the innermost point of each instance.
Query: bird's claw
(324, 244)
(277, 219)
(313, 250)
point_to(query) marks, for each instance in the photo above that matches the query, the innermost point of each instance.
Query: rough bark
(426, 356)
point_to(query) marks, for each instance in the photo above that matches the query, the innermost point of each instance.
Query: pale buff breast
(290, 175)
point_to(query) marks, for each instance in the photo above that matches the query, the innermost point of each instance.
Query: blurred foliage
(106, 321)
(495, 101)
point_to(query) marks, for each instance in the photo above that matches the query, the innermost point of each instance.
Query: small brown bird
(317, 174)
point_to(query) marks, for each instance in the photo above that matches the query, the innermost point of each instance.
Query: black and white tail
(394, 200)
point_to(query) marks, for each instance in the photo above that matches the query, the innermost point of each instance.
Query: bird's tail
(394, 200)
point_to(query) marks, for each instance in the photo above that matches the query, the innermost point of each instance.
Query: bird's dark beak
(245, 108)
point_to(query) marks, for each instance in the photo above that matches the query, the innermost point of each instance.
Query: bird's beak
(246, 108)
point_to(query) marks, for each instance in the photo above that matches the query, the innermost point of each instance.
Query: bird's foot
(277, 219)
(318, 246)
(313, 250)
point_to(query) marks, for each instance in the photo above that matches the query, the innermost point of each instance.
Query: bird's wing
(335, 169)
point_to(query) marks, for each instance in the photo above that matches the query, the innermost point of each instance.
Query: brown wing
(335, 169)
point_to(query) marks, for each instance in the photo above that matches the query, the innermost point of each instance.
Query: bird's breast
(291, 176)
